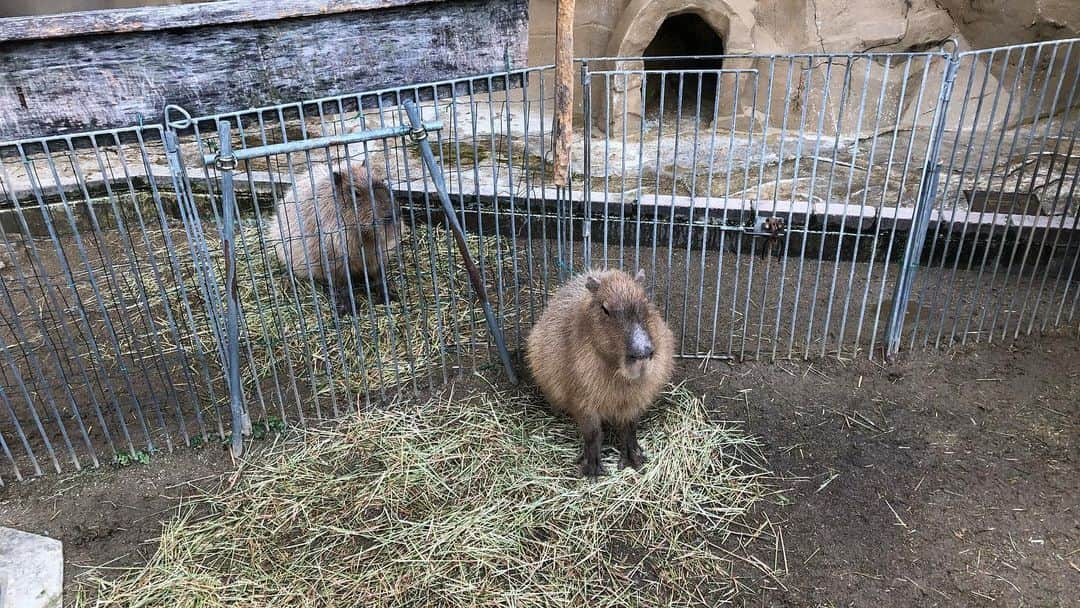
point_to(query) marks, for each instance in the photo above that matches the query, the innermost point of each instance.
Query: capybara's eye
(606, 311)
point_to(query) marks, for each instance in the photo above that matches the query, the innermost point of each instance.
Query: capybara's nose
(640, 346)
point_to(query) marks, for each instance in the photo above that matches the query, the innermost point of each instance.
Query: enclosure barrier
(225, 162)
(783, 206)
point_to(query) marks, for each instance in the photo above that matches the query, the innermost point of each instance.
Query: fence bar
(924, 205)
(419, 136)
(225, 163)
(316, 143)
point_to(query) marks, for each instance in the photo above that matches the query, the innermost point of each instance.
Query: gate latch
(771, 227)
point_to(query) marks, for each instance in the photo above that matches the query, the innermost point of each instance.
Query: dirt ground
(942, 480)
(106, 517)
(945, 479)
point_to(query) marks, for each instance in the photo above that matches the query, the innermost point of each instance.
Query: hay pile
(290, 329)
(468, 502)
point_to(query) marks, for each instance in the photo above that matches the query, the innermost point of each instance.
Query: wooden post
(564, 89)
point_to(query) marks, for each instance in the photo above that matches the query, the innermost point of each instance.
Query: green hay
(290, 328)
(469, 502)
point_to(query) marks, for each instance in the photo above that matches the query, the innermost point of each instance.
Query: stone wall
(990, 23)
(607, 27)
(626, 27)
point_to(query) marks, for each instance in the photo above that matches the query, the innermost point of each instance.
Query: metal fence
(783, 206)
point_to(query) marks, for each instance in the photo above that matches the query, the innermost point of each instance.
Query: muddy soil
(944, 479)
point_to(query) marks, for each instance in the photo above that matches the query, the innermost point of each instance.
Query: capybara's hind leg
(630, 452)
(382, 288)
(592, 436)
(343, 300)
(387, 287)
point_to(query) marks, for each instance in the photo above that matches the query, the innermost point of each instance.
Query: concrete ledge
(31, 570)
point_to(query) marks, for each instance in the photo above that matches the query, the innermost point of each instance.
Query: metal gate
(749, 178)
(335, 321)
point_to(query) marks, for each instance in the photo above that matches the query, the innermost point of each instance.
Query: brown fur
(578, 355)
(341, 220)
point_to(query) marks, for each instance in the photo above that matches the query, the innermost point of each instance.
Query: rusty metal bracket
(771, 227)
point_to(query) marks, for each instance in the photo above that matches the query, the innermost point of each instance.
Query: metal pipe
(318, 142)
(419, 136)
(241, 424)
(923, 206)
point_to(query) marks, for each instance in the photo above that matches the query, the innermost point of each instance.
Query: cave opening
(680, 44)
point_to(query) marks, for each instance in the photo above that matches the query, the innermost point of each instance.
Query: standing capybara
(347, 216)
(601, 353)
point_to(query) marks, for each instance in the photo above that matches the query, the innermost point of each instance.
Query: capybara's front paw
(590, 466)
(392, 294)
(634, 458)
(344, 308)
(343, 303)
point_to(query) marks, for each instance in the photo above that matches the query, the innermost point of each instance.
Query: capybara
(346, 215)
(601, 353)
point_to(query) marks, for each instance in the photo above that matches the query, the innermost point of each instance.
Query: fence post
(586, 216)
(226, 163)
(924, 206)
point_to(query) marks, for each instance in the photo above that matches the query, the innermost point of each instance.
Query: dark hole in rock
(680, 38)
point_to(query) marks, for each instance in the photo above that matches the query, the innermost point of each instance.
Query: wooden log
(151, 18)
(108, 69)
(564, 89)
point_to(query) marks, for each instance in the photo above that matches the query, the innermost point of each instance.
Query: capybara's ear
(592, 284)
(342, 182)
(641, 280)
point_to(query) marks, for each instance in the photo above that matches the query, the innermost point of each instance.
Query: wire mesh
(91, 369)
(706, 159)
(1002, 249)
(774, 201)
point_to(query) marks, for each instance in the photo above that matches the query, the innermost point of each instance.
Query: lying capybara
(346, 215)
(601, 353)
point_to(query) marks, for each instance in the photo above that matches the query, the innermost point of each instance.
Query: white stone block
(31, 570)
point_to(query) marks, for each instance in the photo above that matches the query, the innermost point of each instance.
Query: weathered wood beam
(156, 18)
(106, 69)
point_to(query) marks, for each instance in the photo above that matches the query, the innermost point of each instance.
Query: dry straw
(290, 333)
(468, 501)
